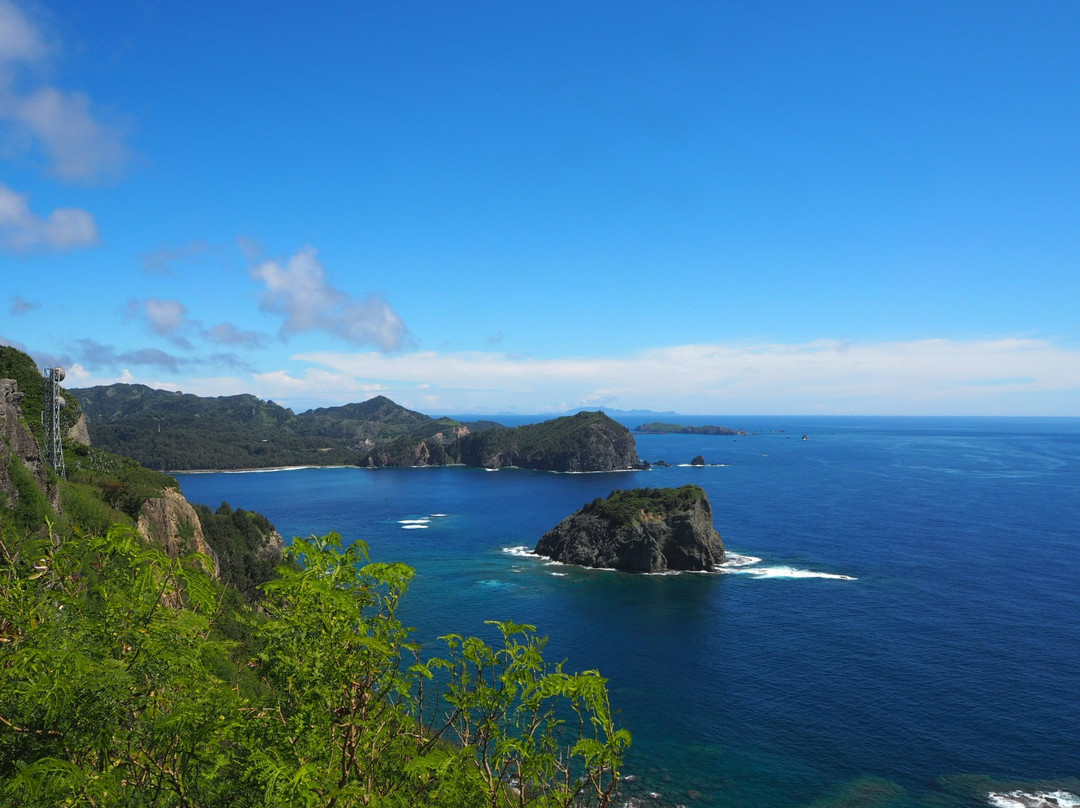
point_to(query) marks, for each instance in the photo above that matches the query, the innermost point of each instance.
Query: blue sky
(717, 207)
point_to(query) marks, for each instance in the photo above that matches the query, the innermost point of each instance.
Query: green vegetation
(591, 440)
(131, 679)
(14, 364)
(246, 545)
(634, 505)
(164, 430)
(29, 508)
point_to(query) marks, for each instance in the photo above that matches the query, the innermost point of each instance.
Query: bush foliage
(119, 687)
(631, 505)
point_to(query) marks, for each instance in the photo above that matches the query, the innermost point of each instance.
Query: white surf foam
(784, 572)
(521, 551)
(422, 521)
(737, 560)
(439, 515)
(1038, 799)
(414, 527)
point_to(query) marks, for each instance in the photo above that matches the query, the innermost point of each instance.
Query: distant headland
(661, 428)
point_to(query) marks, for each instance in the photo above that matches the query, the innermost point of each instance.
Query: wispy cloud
(96, 355)
(229, 334)
(76, 140)
(19, 40)
(164, 259)
(22, 230)
(20, 305)
(299, 291)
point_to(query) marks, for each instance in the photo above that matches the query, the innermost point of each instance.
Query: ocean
(899, 624)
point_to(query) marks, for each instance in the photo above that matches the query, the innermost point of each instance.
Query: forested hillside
(167, 430)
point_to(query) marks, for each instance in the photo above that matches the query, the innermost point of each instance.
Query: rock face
(639, 530)
(79, 431)
(170, 522)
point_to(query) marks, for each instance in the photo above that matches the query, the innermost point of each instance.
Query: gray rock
(642, 530)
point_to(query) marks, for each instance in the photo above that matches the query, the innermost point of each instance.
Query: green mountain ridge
(180, 431)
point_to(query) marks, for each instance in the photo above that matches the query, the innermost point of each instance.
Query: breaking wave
(737, 564)
(1040, 799)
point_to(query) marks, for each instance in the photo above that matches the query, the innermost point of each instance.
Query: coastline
(260, 469)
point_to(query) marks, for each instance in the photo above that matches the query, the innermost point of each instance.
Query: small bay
(900, 624)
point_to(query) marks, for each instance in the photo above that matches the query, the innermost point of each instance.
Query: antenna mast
(54, 402)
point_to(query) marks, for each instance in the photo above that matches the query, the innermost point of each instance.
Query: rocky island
(639, 530)
(659, 428)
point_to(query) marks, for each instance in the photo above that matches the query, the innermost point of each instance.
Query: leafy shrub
(118, 688)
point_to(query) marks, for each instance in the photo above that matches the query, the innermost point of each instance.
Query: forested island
(659, 428)
(179, 431)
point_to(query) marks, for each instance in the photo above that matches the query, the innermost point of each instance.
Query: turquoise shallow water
(903, 627)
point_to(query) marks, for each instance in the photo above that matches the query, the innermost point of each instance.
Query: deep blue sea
(900, 625)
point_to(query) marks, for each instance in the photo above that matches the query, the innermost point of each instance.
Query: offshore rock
(639, 530)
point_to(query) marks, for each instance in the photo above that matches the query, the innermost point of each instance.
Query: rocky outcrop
(79, 431)
(170, 522)
(20, 446)
(405, 452)
(640, 530)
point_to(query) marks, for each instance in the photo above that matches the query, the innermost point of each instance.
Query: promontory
(639, 530)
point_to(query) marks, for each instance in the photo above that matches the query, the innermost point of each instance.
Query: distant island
(179, 431)
(659, 428)
(639, 530)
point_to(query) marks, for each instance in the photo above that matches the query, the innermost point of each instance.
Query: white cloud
(78, 143)
(1020, 376)
(166, 318)
(21, 229)
(299, 290)
(929, 377)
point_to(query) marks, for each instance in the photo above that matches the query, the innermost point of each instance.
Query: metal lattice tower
(54, 402)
